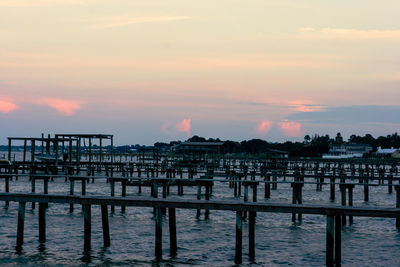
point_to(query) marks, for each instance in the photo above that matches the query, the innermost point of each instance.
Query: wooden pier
(333, 217)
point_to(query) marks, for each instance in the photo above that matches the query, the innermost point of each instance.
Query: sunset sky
(150, 71)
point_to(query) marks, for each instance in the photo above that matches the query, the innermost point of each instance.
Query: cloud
(349, 34)
(184, 126)
(305, 106)
(165, 127)
(290, 128)
(119, 21)
(388, 76)
(32, 3)
(264, 127)
(64, 107)
(351, 115)
(7, 106)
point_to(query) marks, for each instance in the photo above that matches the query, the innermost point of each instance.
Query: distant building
(344, 151)
(275, 153)
(199, 147)
(388, 152)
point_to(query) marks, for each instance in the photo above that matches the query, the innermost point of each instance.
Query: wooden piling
(20, 227)
(338, 240)
(332, 189)
(267, 193)
(397, 188)
(366, 189)
(330, 235)
(106, 228)
(350, 188)
(238, 246)
(198, 197)
(42, 222)
(87, 227)
(123, 194)
(252, 217)
(112, 185)
(172, 231)
(158, 233)
(7, 188)
(343, 193)
(33, 189)
(71, 192)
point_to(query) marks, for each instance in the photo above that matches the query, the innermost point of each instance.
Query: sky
(149, 71)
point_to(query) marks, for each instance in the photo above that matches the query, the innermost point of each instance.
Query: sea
(201, 242)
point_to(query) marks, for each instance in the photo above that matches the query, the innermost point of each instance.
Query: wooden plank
(233, 205)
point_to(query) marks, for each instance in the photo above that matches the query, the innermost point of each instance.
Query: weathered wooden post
(267, 183)
(390, 183)
(7, 189)
(158, 233)
(207, 197)
(172, 231)
(350, 188)
(198, 197)
(330, 237)
(238, 246)
(123, 194)
(112, 185)
(33, 189)
(366, 188)
(397, 188)
(42, 222)
(20, 227)
(71, 192)
(297, 196)
(106, 228)
(338, 240)
(87, 227)
(332, 188)
(343, 193)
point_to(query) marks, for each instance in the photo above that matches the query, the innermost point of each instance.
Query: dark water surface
(369, 242)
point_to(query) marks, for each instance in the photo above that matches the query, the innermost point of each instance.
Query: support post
(87, 227)
(338, 240)
(252, 217)
(330, 235)
(106, 228)
(20, 227)
(42, 222)
(158, 233)
(172, 231)
(71, 192)
(238, 247)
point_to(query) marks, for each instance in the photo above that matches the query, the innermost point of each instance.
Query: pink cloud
(165, 127)
(264, 127)
(64, 106)
(184, 126)
(7, 106)
(290, 128)
(305, 106)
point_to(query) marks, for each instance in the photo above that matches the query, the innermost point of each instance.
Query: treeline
(311, 146)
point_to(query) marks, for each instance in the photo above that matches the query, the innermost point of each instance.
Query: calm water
(369, 242)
